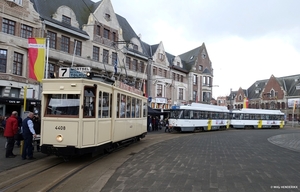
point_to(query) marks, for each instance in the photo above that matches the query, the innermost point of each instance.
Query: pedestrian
(28, 135)
(167, 125)
(156, 123)
(37, 129)
(11, 129)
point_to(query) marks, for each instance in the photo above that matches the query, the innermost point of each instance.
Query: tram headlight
(59, 138)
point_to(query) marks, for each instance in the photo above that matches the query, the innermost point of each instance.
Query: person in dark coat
(11, 129)
(37, 129)
(28, 135)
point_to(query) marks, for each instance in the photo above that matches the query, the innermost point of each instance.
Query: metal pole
(47, 58)
(74, 52)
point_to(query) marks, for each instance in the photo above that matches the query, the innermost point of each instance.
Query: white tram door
(97, 118)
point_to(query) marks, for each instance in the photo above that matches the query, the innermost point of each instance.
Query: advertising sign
(294, 101)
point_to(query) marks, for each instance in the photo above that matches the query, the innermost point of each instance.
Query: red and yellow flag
(36, 58)
(246, 102)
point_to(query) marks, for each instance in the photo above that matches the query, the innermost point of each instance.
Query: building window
(98, 29)
(178, 63)
(105, 56)
(178, 77)
(181, 78)
(106, 33)
(8, 26)
(154, 71)
(78, 47)
(65, 44)
(26, 31)
(114, 36)
(114, 58)
(195, 79)
(51, 69)
(127, 62)
(107, 16)
(3, 60)
(135, 47)
(195, 96)
(200, 67)
(160, 72)
(206, 97)
(18, 64)
(52, 39)
(174, 76)
(159, 90)
(141, 68)
(180, 94)
(66, 20)
(165, 73)
(161, 56)
(96, 52)
(204, 80)
(134, 65)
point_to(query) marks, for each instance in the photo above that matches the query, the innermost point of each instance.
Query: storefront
(9, 104)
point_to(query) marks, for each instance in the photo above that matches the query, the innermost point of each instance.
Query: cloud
(246, 40)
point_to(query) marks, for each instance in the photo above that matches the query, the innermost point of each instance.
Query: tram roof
(205, 108)
(258, 111)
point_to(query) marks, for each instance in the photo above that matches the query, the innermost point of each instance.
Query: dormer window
(66, 20)
(200, 67)
(16, 2)
(192, 57)
(178, 63)
(135, 47)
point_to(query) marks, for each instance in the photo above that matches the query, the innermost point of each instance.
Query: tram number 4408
(60, 127)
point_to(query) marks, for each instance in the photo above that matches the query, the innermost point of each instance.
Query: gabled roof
(82, 9)
(128, 33)
(288, 83)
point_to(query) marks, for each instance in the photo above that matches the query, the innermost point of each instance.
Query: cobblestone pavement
(232, 160)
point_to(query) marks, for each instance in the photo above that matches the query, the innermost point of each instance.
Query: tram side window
(137, 108)
(89, 102)
(257, 117)
(221, 115)
(104, 105)
(252, 117)
(128, 110)
(263, 117)
(246, 116)
(186, 114)
(133, 107)
(62, 104)
(123, 106)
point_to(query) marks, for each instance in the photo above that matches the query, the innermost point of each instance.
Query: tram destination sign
(73, 72)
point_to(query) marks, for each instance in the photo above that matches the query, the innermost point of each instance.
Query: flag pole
(47, 58)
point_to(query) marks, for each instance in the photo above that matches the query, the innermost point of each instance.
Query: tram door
(89, 128)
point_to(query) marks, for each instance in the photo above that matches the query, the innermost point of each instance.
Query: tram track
(54, 174)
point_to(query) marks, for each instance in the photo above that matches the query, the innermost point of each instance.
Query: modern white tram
(81, 116)
(197, 116)
(256, 118)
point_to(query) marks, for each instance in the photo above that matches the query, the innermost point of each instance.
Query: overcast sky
(245, 40)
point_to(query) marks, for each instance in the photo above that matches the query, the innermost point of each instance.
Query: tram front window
(62, 104)
(176, 114)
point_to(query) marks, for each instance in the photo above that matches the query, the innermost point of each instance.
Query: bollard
(21, 147)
